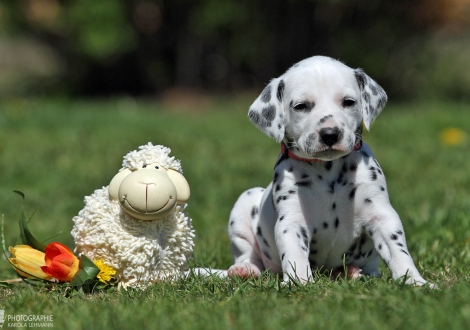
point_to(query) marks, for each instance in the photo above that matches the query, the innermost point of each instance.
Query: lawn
(58, 151)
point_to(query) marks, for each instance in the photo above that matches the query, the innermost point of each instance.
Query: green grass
(59, 151)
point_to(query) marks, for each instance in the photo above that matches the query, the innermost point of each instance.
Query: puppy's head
(317, 108)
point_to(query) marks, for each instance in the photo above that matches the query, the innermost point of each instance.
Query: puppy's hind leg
(243, 221)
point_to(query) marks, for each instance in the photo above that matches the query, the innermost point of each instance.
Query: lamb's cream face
(149, 192)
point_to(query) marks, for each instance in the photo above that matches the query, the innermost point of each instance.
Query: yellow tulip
(28, 261)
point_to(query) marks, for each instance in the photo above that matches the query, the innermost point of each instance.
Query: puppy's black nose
(329, 135)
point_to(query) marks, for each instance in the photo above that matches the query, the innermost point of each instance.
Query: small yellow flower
(452, 136)
(106, 272)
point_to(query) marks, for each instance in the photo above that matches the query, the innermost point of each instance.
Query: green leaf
(87, 272)
(25, 234)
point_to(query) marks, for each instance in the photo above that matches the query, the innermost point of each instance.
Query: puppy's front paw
(243, 270)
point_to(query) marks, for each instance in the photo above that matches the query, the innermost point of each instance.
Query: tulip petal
(60, 262)
(28, 261)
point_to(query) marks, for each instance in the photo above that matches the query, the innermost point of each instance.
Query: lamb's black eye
(156, 167)
(144, 166)
(348, 102)
(300, 106)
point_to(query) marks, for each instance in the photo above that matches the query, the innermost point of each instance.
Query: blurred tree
(146, 46)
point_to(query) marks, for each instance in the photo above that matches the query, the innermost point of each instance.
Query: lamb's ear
(373, 97)
(267, 111)
(182, 186)
(115, 183)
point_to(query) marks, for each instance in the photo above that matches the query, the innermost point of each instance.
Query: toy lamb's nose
(147, 194)
(329, 135)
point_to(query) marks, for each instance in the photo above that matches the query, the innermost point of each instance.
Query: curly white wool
(142, 252)
(149, 154)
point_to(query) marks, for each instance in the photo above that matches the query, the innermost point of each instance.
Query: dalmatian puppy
(327, 207)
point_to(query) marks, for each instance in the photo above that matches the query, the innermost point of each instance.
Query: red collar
(286, 151)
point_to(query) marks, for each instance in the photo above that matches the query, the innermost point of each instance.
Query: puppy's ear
(267, 112)
(373, 97)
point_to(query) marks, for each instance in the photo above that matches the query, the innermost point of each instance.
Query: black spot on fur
(336, 223)
(328, 165)
(382, 188)
(276, 176)
(280, 90)
(399, 232)
(394, 237)
(290, 169)
(353, 167)
(278, 187)
(304, 176)
(285, 231)
(258, 231)
(303, 231)
(248, 192)
(352, 193)
(373, 174)
(320, 177)
(313, 251)
(400, 245)
(405, 252)
(380, 246)
(266, 94)
(373, 89)
(304, 183)
(322, 121)
(333, 206)
(332, 187)
(313, 242)
(353, 247)
(314, 231)
(267, 255)
(367, 201)
(265, 242)
(325, 225)
(232, 222)
(283, 255)
(340, 178)
(362, 241)
(269, 113)
(292, 192)
(360, 78)
(254, 211)
(256, 119)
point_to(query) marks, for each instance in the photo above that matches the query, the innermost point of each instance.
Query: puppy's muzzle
(329, 135)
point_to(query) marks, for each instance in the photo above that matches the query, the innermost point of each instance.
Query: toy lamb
(137, 225)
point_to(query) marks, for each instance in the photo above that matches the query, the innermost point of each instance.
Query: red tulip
(61, 263)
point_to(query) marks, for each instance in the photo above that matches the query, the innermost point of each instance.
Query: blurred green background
(414, 48)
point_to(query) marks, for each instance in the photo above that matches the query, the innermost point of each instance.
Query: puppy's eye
(300, 106)
(156, 167)
(348, 102)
